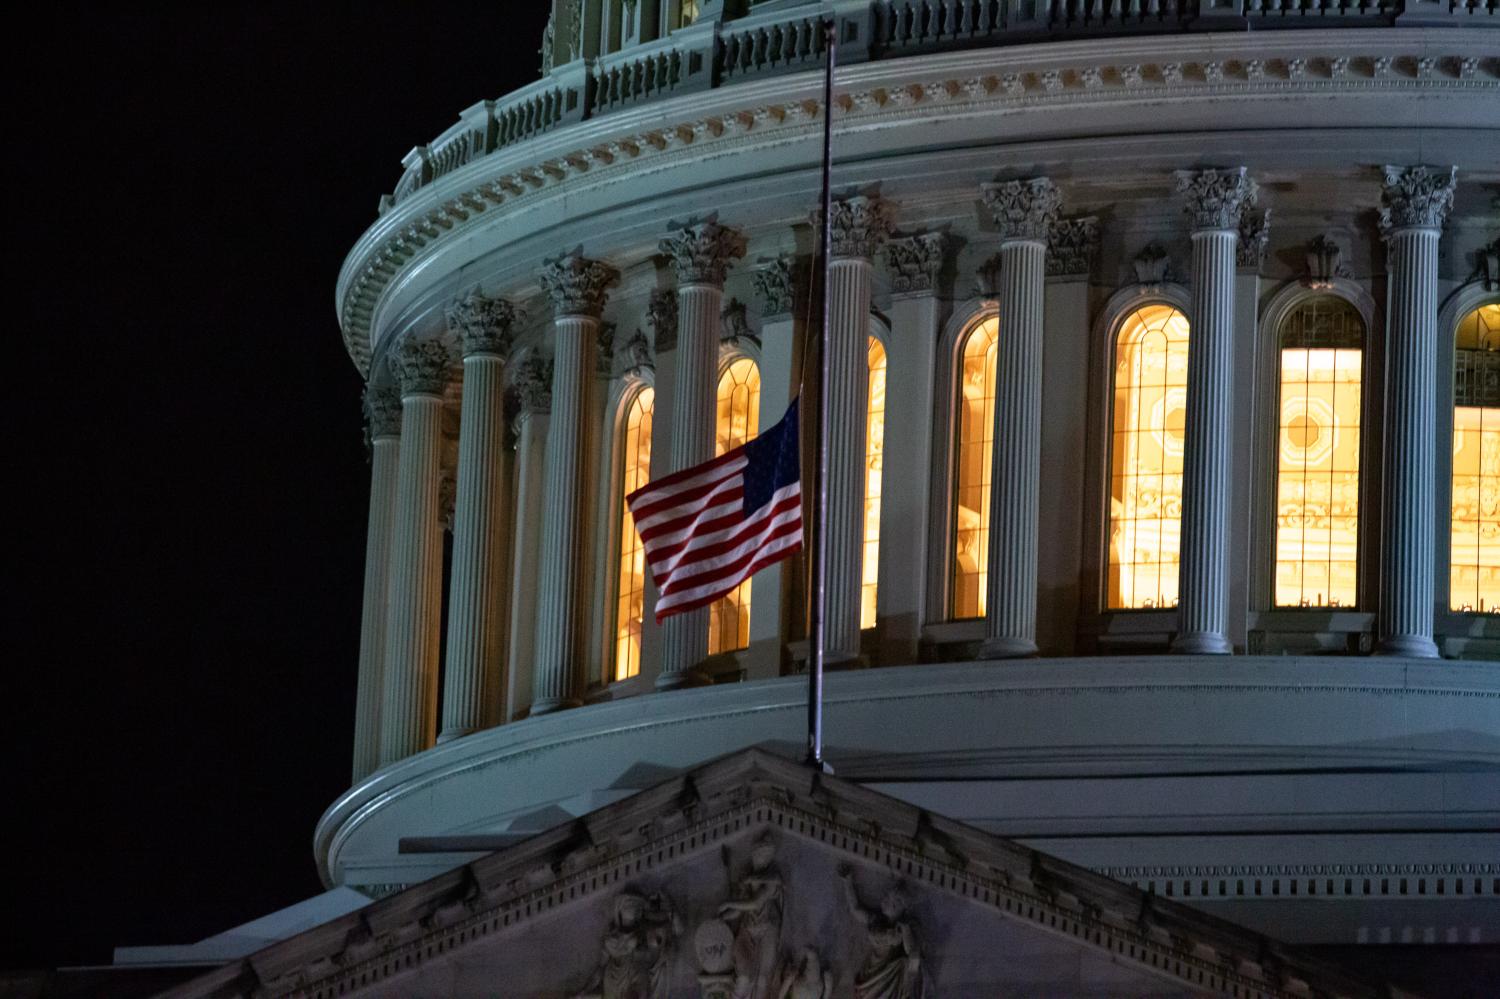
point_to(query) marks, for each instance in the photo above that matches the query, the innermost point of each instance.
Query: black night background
(188, 477)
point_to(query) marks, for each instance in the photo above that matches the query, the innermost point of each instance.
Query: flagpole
(820, 515)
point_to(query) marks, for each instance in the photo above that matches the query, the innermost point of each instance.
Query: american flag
(708, 528)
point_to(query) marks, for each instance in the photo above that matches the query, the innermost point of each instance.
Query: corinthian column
(575, 285)
(861, 224)
(701, 253)
(1024, 211)
(408, 709)
(383, 412)
(1213, 201)
(1416, 203)
(474, 611)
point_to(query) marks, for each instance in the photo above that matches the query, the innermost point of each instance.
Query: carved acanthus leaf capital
(702, 251)
(383, 411)
(662, 313)
(915, 261)
(485, 325)
(1255, 236)
(1073, 246)
(533, 384)
(734, 326)
(577, 285)
(1213, 199)
(861, 223)
(422, 365)
(776, 284)
(1023, 210)
(1416, 197)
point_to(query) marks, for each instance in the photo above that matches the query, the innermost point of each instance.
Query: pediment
(755, 877)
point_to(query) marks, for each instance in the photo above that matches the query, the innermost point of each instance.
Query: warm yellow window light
(874, 462)
(1317, 455)
(1474, 548)
(630, 604)
(689, 11)
(738, 418)
(975, 438)
(1147, 423)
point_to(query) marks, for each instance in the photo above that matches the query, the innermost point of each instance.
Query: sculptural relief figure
(636, 950)
(894, 968)
(808, 979)
(753, 912)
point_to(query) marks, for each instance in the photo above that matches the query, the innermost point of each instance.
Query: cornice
(985, 81)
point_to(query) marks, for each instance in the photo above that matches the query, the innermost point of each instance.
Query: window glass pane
(1474, 545)
(874, 462)
(976, 427)
(1149, 417)
(630, 606)
(738, 420)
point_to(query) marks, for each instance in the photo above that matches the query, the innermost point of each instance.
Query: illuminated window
(1317, 455)
(738, 418)
(635, 471)
(689, 11)
(976, 428)
(1146, 442)
(1474, 554)
(874, 461)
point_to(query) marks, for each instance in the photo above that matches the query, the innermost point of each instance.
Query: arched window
(1146, 443)
(1474, 555)
(738, 419)
(971, 502)
(1317, 455)
(635, 471)
(874, 464)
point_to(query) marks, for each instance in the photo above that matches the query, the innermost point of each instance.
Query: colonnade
(543, 626)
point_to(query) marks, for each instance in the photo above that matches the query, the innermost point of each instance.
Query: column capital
(1416, 197)
(533, 384)
(1213, 198)
(1073, 246)
(484, 325)
(1023, 210)
(776, 283)
(861, 223)
(382, 406)
(915, 261)
(661, 311)
(422, 364)
(701, 251)
(576, 285)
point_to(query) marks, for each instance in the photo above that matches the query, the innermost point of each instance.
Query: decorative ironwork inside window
(874, 464)
(1147, 427)
(738, 420)
(1474, 544)
(1318, 452)
(974, 447)
(630, 602)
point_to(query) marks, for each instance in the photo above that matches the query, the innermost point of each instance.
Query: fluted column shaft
(1416, 204)
(474, 611)
(408, 712)
(385, 450)
(850, 281)
(694, 414)
(1015, 475)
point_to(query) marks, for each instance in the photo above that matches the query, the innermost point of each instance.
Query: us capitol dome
(1164, 594)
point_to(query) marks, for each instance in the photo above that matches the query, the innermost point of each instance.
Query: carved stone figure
(734, 326)
(636, 949)
(915, 262)
(1072, 246)
(776, 284)
(894, 968)
(1152, 265)
(638, 356)
(753, 912)
(808, 979)
(1325, 261)
(662, 313)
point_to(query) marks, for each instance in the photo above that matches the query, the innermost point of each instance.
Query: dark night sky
(188, 507)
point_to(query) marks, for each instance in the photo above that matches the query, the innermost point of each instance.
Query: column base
(1411, 646)
(1007, 647)
(1202, 643)
(548, 705)
(683, 680)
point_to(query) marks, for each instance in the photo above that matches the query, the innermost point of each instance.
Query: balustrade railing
(789, 39)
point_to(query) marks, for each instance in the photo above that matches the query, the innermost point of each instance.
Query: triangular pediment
(741, 875)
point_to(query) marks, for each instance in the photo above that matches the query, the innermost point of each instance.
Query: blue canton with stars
(773, 461)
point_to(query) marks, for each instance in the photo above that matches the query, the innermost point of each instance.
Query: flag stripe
(711, 544)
